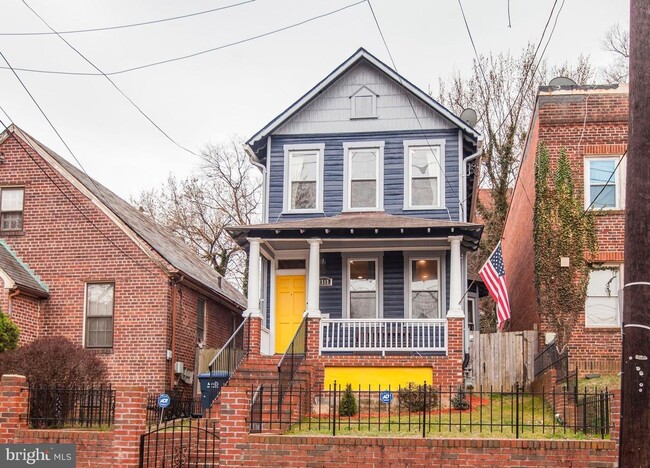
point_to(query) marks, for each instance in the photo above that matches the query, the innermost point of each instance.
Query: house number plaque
(326, 282)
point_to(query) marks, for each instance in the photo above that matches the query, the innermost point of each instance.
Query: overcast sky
(237, 90)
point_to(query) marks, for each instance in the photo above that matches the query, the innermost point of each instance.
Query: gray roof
(20, 273)
(164, 242)
(335, 226)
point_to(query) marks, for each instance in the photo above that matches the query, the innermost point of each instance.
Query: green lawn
(496, 418)
(611, 382)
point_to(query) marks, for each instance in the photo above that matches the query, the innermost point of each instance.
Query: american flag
(493, 274)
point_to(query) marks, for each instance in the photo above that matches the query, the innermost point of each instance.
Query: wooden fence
(503, 359)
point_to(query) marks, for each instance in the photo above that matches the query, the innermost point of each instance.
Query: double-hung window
(11, 208)
(99, 315)
(423, 187)
(363, 299)
(303, 179)
(424, 288)
(602, 183)
(363, 177)
(601, 306)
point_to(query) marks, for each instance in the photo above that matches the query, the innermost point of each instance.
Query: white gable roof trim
(336, 74)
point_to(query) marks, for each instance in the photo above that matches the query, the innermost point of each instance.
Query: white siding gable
(330, 112)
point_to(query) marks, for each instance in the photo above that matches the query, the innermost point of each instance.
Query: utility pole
(635, 405)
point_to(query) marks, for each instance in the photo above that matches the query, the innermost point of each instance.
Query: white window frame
(202, 339)
(22, 209)
(409, 280)
(609, 266)
(85, 316)
(303, 148)
(364, 91)
(379, 273)
(618, 180)
(439, 160)
(347, 179)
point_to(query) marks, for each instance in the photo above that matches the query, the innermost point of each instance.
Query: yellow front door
(289, 308)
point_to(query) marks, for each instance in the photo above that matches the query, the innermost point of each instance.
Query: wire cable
(131, 25)
(138, 108)
(194, 54)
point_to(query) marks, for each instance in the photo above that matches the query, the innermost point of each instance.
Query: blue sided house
(361, 260)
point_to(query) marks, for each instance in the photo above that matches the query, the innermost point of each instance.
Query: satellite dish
(469, 117)
(561, 81)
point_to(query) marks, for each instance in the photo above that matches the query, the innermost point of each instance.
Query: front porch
(376, 283)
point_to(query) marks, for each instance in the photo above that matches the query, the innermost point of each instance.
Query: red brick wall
(24, 311)
(584, 124)
(273, 450)
(119, 446)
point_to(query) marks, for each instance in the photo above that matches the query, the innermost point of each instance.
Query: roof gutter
(256, 162)
(471, 157)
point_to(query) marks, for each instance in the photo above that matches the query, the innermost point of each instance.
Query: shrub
(54, 361)
(348, 404)
(8, 333)
(459, 401)
(415, 398)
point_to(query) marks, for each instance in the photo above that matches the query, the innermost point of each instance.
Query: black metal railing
(182, 405)
(57, 407)
(432, 411)
(551, 357)
(293, 357)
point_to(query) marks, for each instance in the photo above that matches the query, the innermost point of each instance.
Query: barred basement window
(11, 208)
(99, 315)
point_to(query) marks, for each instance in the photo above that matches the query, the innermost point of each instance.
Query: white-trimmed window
(99, 315)
(424, 288)
(603, 183)
(601, 306)
(423, 186)
(200, 320)
(303, 178)
(363, 288)
(11, 208)
(364, 187)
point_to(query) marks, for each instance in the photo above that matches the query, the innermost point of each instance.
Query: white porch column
(313, 283)
(455, 279)
(253, 308)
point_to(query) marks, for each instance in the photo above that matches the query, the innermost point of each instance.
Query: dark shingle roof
(20, 273)
(166, 244)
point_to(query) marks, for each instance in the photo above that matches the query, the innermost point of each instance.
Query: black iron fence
(182, 405)
(58, 407)
(293, 357)
(551, 357)
(426, 410)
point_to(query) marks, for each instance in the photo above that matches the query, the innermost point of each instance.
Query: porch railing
(293, 357)
(383, 335)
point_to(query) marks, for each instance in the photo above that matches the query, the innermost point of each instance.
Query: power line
(124, 26)
(408, 97)
(110, 81)
(194, 54)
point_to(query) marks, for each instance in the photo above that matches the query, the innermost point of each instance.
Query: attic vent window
(363, 104)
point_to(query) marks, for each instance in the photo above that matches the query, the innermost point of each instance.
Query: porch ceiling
(348, 230)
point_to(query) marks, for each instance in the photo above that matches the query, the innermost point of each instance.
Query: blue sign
(164, 400)
(386, 397)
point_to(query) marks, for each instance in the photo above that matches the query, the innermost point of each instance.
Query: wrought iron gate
(180, 443)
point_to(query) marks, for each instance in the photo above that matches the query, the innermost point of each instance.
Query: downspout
(174, 281)
(254, 161)
(471, 157)
(11, 295)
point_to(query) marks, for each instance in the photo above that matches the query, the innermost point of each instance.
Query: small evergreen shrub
(8, 333)
(459, 401)
(415, 398)
(348, 404)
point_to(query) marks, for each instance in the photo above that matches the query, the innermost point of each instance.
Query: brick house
(78, 261)
(364, 241)
(592, 124)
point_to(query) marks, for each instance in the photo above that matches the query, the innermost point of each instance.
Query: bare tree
(502, 89)
(616, 41)
(224, 192)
